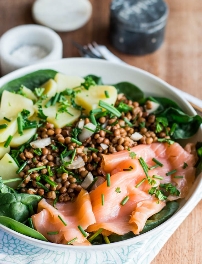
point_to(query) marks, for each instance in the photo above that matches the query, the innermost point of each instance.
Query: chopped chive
(92, 183)
(42, 186)
(71, 241)
(48, 104)
(66, 153)
(114, 123)
(21, 167)
(47, 179)
(96, 111)
(89, 129)
(7, 119)
(8, 141)
(154, 167)
(110, 108)
(128, 122)
(12, 180)
(107, 94)
(93, 120)
(76, 141)
(125, 200)
(20, 124)
(36, 169)
(108, 180)
(118, 190)
(140, 183)
(55, 99)
(3, 126)
(157, 177)
(132, 154)
(144, 166)
(103, 198)
(93, 149)
(106, 239)
(30, 222)
(185, 165)
(178, 177)
(53, 233)
(95, 234)
(73, 155)
(65, 224)
(82, 231)
(107, 131)
(157, 162)
(55, 201)
(171, 172)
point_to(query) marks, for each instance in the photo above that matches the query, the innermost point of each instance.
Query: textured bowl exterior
(130, 249)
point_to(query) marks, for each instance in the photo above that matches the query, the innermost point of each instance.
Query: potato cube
(50, 88)
(64, 81)
(9, 130)
(3, 150)
(18, 140)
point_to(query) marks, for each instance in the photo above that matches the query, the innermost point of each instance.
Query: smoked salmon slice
(64, 229)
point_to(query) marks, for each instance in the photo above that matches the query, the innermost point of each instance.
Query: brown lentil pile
(44, 173)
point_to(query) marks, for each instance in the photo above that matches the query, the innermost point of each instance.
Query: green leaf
(31, 80)
(96, 79)
(131, 91)
(164, 104)
(152, 222)
(21, 228)
(186, 126)
(199, 162)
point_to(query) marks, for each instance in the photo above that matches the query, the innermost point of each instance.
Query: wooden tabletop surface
(178, 62)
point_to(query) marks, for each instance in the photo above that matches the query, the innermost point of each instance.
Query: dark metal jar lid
(139, 15)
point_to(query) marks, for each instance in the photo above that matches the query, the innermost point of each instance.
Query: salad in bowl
(86, 160)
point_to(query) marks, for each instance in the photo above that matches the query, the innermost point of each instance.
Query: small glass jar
(137, 26)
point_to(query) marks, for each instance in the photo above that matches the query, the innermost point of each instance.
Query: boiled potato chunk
(8, 169)
(50, 88)
(64, 82)
(89, 99)
(9, 130)
(18, 140)
(12, 104)
(29, 94)
(3, 150)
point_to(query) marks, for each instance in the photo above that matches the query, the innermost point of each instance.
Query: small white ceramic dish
(27, 35)
(150, 84)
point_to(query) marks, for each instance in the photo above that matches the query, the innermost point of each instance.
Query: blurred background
(178, 61)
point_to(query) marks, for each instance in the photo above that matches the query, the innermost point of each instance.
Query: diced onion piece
(104, 146)
(153, 108)
(87, 181)
(41, 143)
(136, 136)
(81, 124)
(88, 131)
(76, 164)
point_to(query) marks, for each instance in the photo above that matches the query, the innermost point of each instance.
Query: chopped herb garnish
(39, 91)
(158, 194)
(73, 155)
(128, 122)
(76, 141)
(132, 155)
(30, 223)
(154, 167)
(82, 231)
(157, 177)
(89, 129)
(7, 119)
(3, 126)
(11, 180)
(41, 114)
(129, 169)
(92, 119)
(146, 169)
(95, 235)
(178, 177)
(107, 94)
(124, 108)
(125, 200)
(8, 141)
(56, 98)
(64, 223)
(171, 172)
(36, 169)
(20, 124)
(42, 186)
(108, 180)
(140, 183)
(142, 124)
(106, 239)
(88, 82)
(93, 149)
(53, 233)
(38, 152)
(102, 198)
(110, 108)
(21, 167)
(49, 181)
(118, 190)
(96, 111)
(157, 162)
(55, 202)
(71, 241)
(169, 141)
(185, 165)
(170, 188)
(161, 122)
(173, 128)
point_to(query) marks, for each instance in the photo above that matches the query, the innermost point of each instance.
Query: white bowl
(150, 84)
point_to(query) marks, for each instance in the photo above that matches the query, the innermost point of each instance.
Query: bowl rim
(191, 198)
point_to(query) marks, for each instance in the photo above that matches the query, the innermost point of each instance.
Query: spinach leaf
(18, 206)
(199, 162)
(152, 222)
(186, 126)
(96, 79)
(131, 91)
(31, 80)
(21, 228)
(164, 104)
